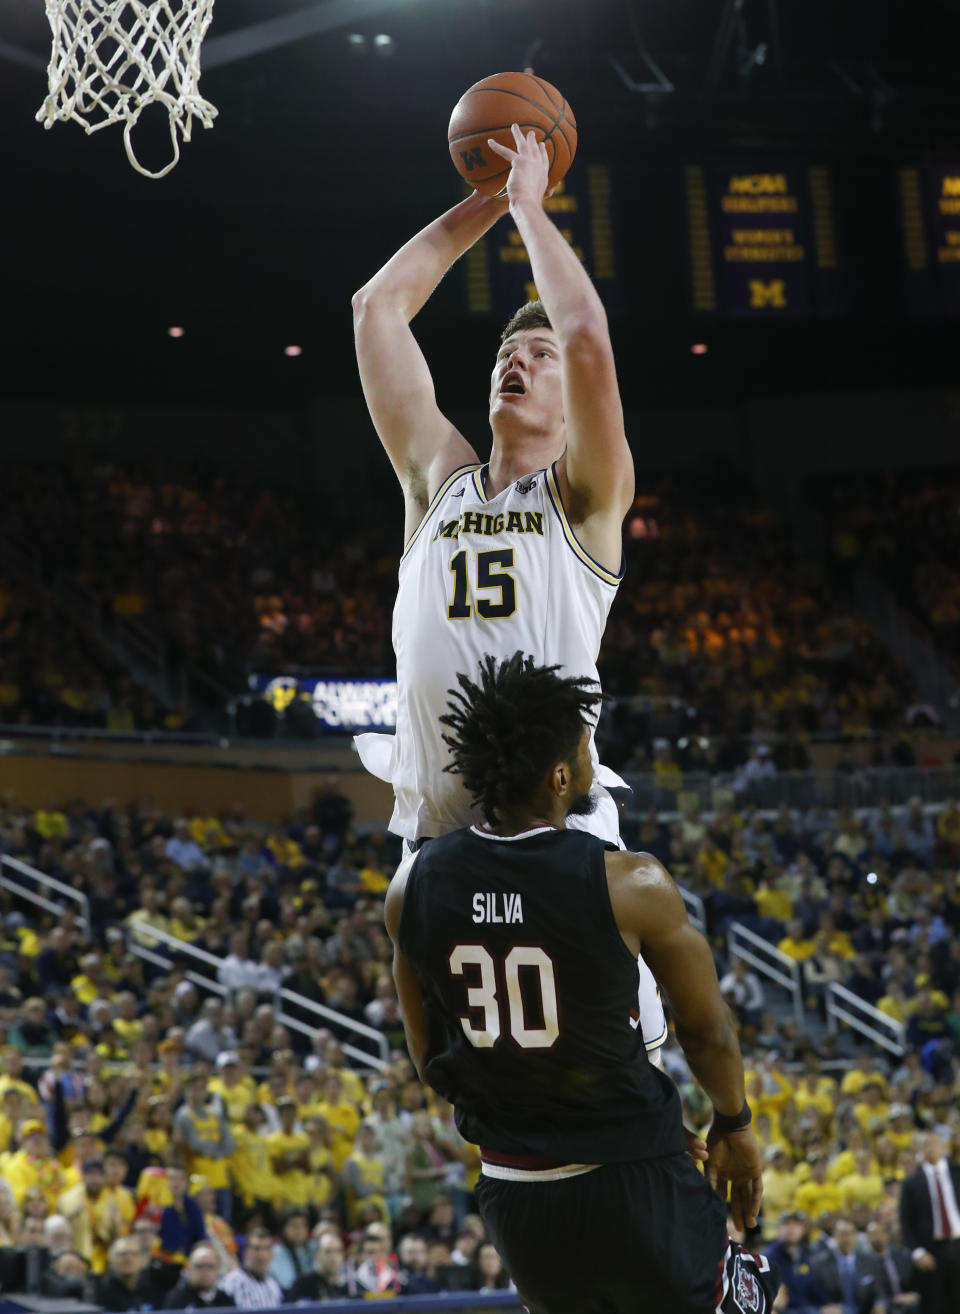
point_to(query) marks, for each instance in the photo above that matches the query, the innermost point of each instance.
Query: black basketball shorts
(647, 1237)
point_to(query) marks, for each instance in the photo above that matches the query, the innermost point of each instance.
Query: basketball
(488, 108)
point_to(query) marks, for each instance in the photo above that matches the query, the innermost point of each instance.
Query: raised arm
(596, 475)
(652, 918)
(423, 446)
(405, 979)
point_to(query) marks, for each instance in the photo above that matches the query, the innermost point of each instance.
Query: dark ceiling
(322, 161)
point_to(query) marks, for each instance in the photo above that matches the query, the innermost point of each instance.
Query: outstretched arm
(423, 446)
(598, 467)
(652, 917)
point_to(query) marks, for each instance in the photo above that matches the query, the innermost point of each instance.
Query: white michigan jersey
(489, 576)
(483, 575)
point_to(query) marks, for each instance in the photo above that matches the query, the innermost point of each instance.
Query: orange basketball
(488, 109)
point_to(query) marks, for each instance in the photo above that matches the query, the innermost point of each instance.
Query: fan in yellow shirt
(894, 1004)
(796, 944)
(779, 1188)
(871, 1110)
(12, 1106)
(846, 1161)
(815, 1092)
(864, 1185)
(208, 833)
(335, 1062)
(289, 1151)
(865, 1070)
(11, 1076)
(363, 1176)
(772, 902)
(817, 1195)
(322, 1174)
(94, 1214)
(231, 1087)
(342, 1118)
(250, 1166)
(900, 1131)
(34, 1165)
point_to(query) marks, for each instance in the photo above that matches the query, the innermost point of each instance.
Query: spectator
(68, 1277)
(238, 969)
(182, 849)
(219, 1232)
(376, 1272)
(864, 1185)
(33, 1035)
(251, 1286)
(209, 1037)
(414, 1279)
(204, 1130)
(181, 1222)
(94, 1215)
(779, 1188)
(796, 944)
(893, 1267)
(847, 1275)
(251, 1167)
(126, 1284)
(743, 988)
(292, 1255)
(491, 1275)
(362, 1176)
(790, 1251)
(289, 1151)
(199, 1285)
(327, 1281)
(817, 1195)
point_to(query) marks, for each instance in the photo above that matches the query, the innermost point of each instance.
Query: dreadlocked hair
(507, 730)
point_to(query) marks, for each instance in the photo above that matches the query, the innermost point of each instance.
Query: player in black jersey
(515, 949)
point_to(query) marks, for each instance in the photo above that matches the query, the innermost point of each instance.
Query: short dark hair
(512, 726)
(531, 316)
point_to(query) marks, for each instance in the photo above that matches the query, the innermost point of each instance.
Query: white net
(113, 58)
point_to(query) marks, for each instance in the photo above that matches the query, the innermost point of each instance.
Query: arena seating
(104, 1029)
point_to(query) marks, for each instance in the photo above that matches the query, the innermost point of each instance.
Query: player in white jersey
(524, 552)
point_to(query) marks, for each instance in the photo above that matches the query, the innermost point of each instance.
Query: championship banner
(762, 241)
(930, 219)
(337, 704)
(498, 274)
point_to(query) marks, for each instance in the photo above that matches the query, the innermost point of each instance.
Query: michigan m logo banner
(772, 294)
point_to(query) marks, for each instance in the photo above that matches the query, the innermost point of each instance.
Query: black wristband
(736, 1122)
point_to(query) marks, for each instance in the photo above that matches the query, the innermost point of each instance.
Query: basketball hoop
(113, 58)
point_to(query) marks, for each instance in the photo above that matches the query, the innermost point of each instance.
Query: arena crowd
(723, 626)
(160, 1142)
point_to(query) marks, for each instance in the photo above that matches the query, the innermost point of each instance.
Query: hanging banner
(762, 241)
(930, 222)
(498, 275)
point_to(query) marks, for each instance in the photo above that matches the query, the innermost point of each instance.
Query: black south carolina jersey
(531, 999)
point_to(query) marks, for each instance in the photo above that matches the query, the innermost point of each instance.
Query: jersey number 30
(492, 574)
(482, 997)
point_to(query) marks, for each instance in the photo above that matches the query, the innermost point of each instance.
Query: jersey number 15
(483, 997)
(491, 574)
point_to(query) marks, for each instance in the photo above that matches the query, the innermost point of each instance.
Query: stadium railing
(844, 1006)
(863, 787)
(770, 961)
(695, 909)
(143, 940)
(50, 883)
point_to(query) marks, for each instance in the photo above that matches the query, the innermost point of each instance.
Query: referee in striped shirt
(250, 1286)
